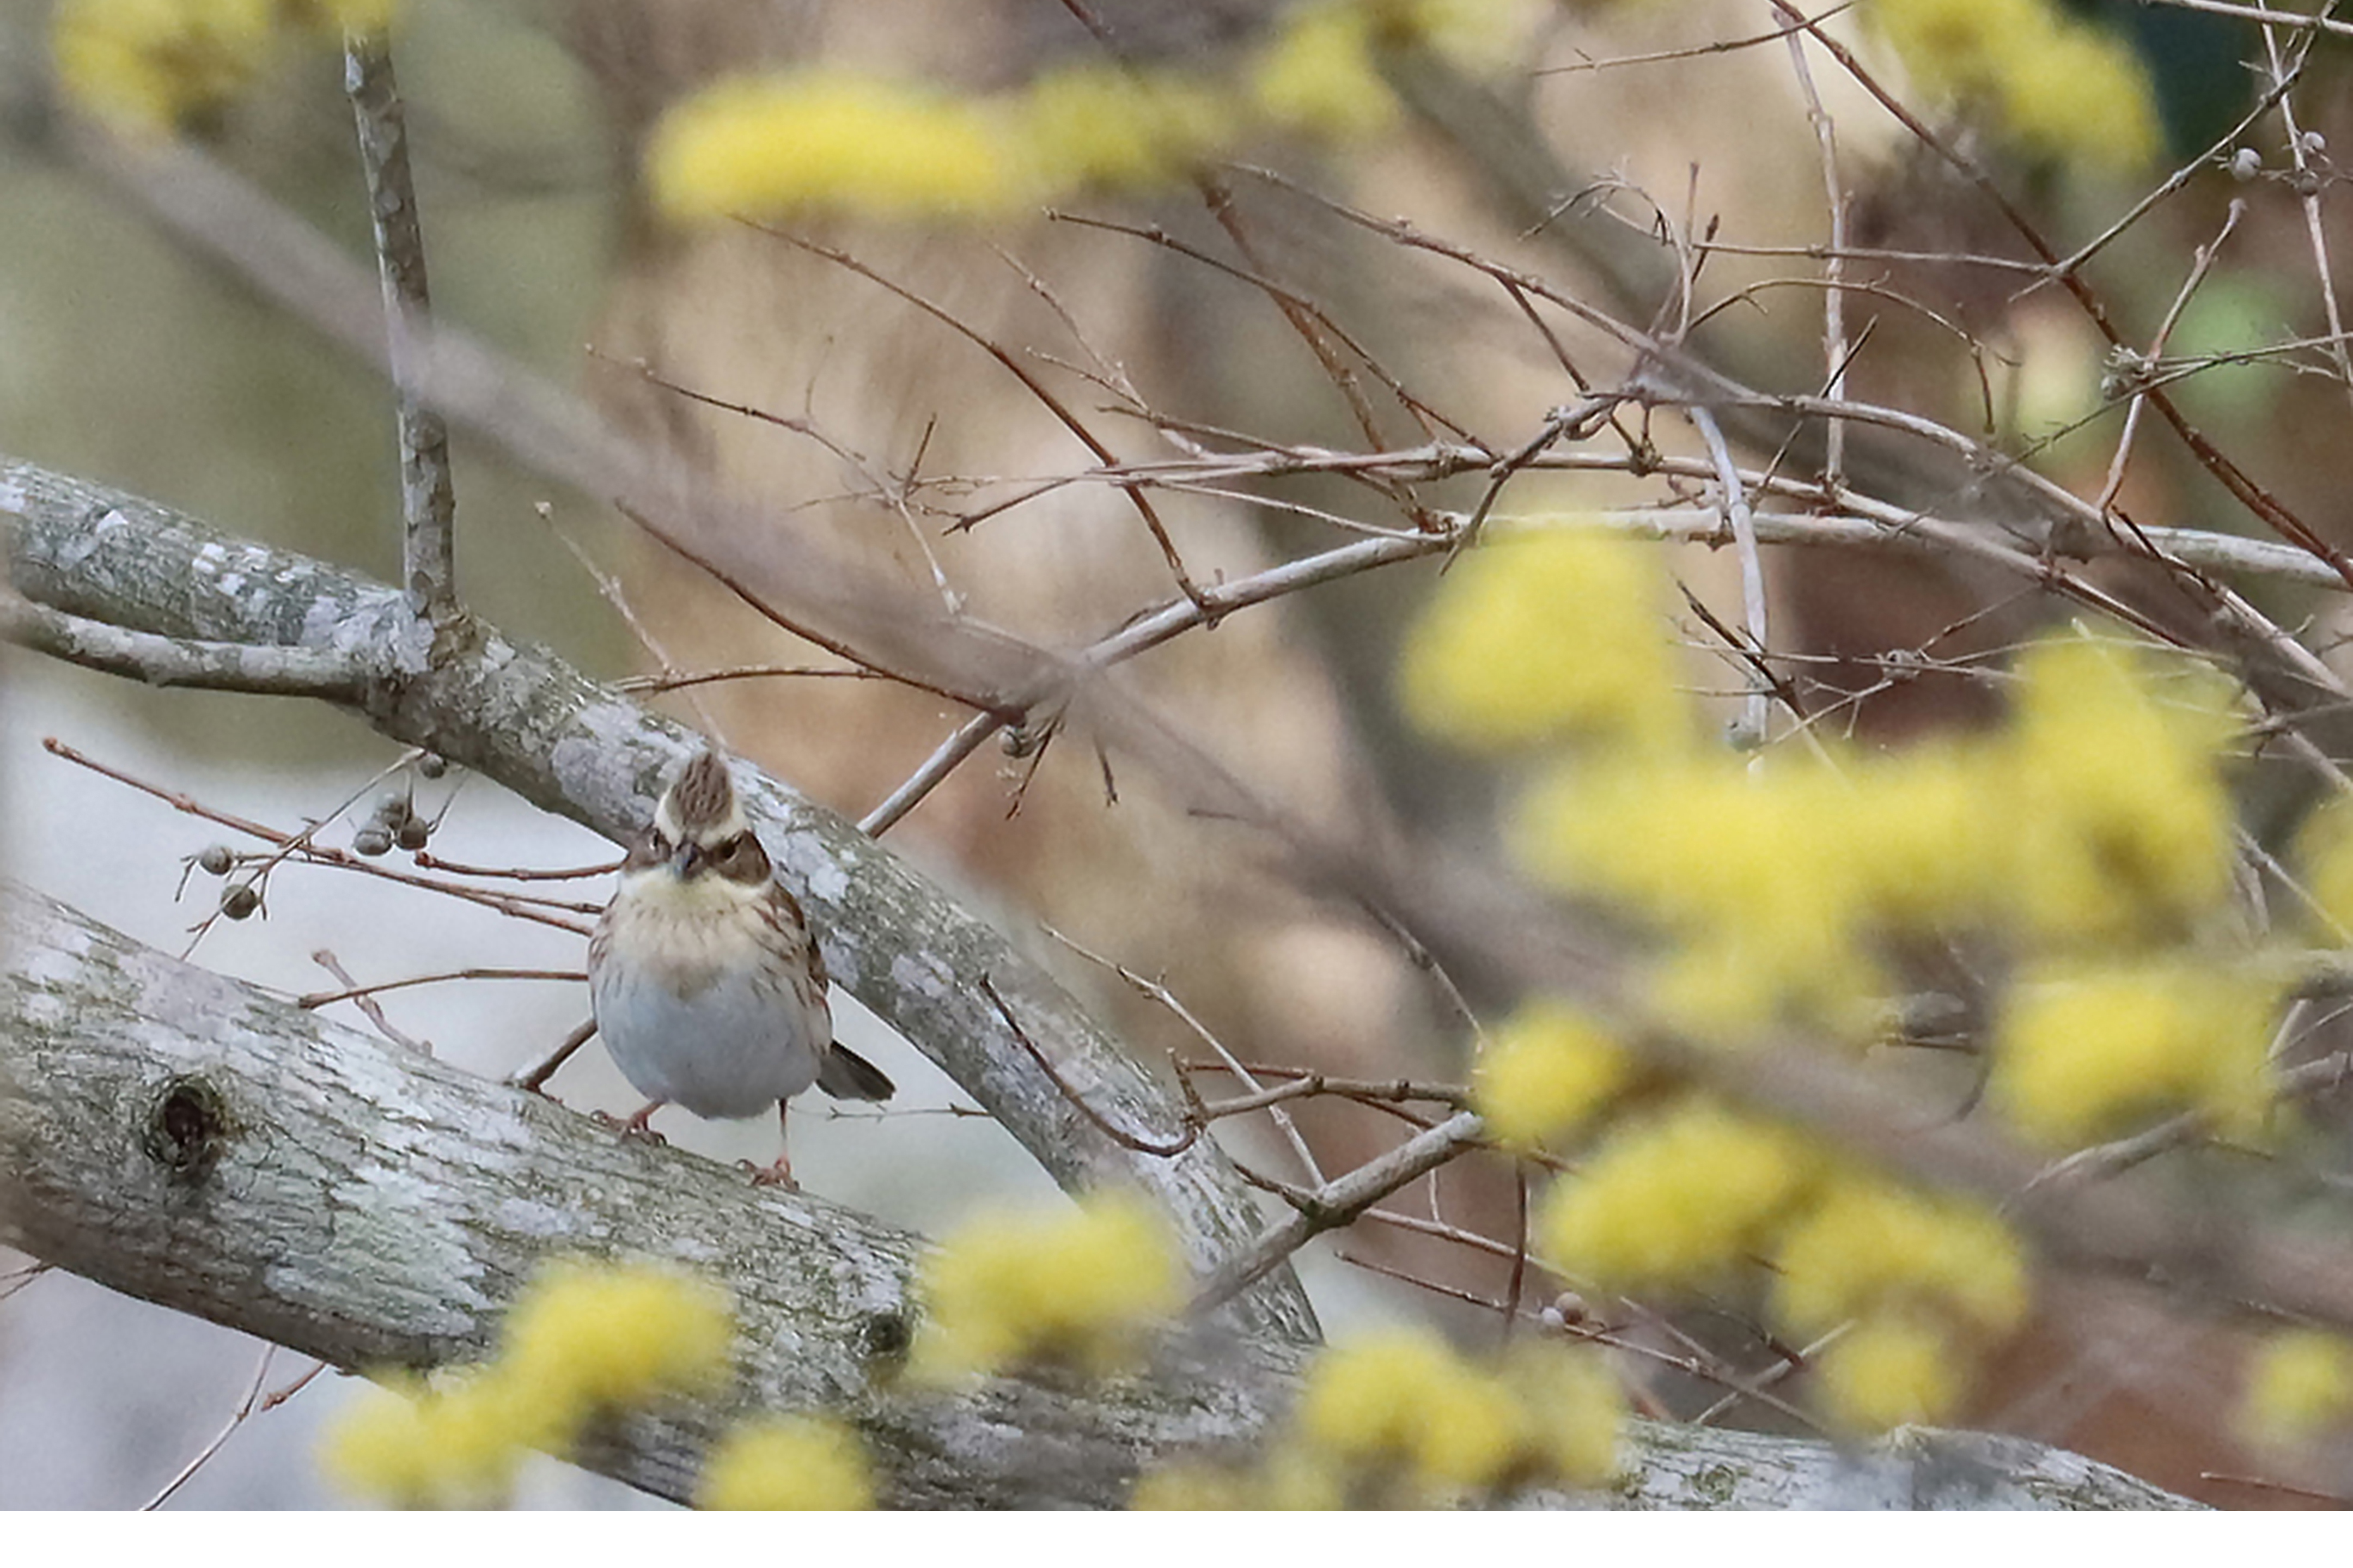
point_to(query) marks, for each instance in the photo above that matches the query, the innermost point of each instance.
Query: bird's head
(700, 831)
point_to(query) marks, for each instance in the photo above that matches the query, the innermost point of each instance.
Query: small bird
(706, 983)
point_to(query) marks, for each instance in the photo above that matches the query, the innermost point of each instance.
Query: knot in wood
(187, 1128)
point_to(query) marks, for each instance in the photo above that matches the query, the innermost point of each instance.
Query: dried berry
(373, 840)
(239, 900)
(216, 860)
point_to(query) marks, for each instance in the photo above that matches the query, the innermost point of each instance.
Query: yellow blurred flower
(1889, 1370)
(2059, 87)
(796, 1462)
(2324, 847)
(1084, 1285)
(592, 1336)
(1673, 1200)
(1545, 1071)
(1543, 636)
(2299, 1384)
(834, 140)
(146, 66)
(582, 1339)
(2121, 822)
(1402, 1400)
(415, 1445)
(1099, 126)
(2081, 1052)
(1318, 74)
(1869, 1244)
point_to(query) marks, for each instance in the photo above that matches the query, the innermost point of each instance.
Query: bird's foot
(636, 1128)
(779, 1174)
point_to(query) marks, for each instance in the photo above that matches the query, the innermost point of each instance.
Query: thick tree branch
(334, 674)
(525, 719)
(187, 1139)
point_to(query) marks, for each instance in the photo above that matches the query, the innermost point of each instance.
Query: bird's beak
(682, 858)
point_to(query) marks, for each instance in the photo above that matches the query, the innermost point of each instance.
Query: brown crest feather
(703, 795)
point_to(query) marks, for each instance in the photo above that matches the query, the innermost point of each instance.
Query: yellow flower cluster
(798, 1462)
(1866, 1246)
(2326, 847)
(1673, 1199)
(1083, 1286)
(2299, 1385)
(581, 1339)
(2083, 1050)
(2060, 88)
(829, 139)
(1909, 1282)
(1544, 635)
(2098, 816)
(1914, 1279)
(1400, 1417)
(1545, 1072)
(145, 67)
(1320, 75)
(2118, 823)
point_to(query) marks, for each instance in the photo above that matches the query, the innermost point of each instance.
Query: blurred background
(125, 360)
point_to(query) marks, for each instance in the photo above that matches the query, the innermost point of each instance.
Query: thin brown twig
(255, 1402)
(315, 999)
(368, 1006)
(427, 861)
(1164, 1149)
(511, 904)
(1338, 1203)
(1158, 993)
(1036, 388)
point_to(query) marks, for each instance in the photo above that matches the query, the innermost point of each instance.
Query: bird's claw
(779, 1174)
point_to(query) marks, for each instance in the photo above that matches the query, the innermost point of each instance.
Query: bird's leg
(779, 1174)
(638, 1127)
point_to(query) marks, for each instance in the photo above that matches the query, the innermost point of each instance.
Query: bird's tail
(846, 1075)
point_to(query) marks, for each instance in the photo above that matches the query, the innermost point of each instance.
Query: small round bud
(431, 765)
(2246, 163)
(239, 900)
(412, 832)
(1571, 1308)
(374, 839)
(215, 859)
(2314, 142)
(391, 808)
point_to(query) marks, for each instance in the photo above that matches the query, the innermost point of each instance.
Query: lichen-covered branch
(189, 1140)
(527, 720)
(333, 674)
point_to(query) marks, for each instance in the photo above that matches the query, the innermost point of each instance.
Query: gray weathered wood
(185, 1138)
(891, 937)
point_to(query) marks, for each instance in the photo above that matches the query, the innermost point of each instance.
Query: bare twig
(254, 1402)
(535, 1076)
(428, 502)
(292, 843)
(353, 992)
(1161, 1148)
(1339, 1202)
(368, 1005)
